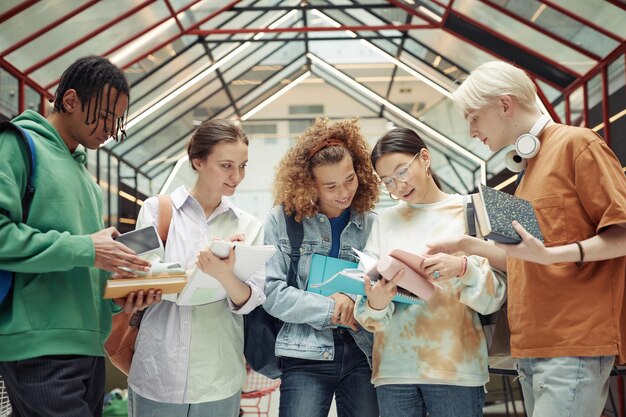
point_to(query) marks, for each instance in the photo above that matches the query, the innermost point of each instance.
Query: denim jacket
(308, 329)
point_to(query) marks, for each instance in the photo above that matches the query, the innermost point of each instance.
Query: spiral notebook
(204, 289)
(328, 276)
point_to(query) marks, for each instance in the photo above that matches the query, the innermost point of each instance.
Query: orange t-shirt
(578, 189)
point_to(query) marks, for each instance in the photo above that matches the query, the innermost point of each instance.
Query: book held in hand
(495, 211)
(169, 277)
(202, 288)
(328, 276)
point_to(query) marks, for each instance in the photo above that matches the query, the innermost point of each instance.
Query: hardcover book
(495, 210)
(169, 277)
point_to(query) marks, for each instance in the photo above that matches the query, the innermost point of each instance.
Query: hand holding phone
(142, 241)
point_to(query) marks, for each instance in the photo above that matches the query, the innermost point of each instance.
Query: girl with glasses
(431, 357)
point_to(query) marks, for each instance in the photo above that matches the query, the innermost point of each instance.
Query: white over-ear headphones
(526, 146)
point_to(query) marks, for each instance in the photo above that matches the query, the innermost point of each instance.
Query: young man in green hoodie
(54, 322)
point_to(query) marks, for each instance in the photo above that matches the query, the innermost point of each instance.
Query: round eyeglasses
(402, 173)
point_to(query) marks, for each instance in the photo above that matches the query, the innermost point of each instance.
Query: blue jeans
(307, 386)
(565, 386)
(412, 400)
(139, 406)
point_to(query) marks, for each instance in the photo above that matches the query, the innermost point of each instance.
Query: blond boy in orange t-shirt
(566, 297)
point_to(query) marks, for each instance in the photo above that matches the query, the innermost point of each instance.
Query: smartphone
(142, 241)
(221, 248)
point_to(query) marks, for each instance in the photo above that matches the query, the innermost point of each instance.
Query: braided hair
(89, 76)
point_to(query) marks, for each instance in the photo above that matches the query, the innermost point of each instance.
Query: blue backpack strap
(295, 232)
(6, 277)
(27, 198)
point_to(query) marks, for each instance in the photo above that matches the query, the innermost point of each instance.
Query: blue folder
(331, 275)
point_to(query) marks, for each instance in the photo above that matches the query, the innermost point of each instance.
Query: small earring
(428, 172)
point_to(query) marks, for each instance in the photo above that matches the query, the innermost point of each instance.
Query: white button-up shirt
(187, 355)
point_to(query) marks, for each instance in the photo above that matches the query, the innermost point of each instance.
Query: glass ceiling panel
(194, 98)
(448, 45)
(272, 90)
(257, 73)
(166, 77)
(551, 93)
(564, 26)
(257, 51)
(269, 86)
(7, 5)
(600, 12)
(201, 11)
(542, 45)
(39, 15)
(81, 25)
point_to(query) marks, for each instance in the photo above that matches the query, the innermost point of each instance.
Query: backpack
(261, 328)
(120, 345)
(6, 277)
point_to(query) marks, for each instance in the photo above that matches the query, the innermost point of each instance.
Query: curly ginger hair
(294, 186)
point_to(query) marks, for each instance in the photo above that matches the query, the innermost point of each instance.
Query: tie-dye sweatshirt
(440, 341)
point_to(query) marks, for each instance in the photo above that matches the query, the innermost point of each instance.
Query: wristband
(582, 254)
(463, 267)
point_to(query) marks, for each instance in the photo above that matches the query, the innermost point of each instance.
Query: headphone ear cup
(527, 145)
(514, 162)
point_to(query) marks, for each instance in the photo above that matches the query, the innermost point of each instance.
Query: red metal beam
(447, 12)
(196, 25)
(605, 105)
(174, 15)
(356, 28)
(538, 28)
(20, 96)
(21, 76)
(17, 9)
(88, 36)
(585, 105)
(546, 102)
(579, 19)
(568, 110)
(47, 28)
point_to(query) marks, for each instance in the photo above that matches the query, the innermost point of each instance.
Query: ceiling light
(429, 13)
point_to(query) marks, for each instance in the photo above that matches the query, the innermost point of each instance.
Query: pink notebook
(415, 279)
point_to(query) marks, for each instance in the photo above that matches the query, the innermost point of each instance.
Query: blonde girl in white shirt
(189, 360)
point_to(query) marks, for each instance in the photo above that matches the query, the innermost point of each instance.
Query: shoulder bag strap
(295, 232)
(165, 216)
(163, 227)
(27, 198)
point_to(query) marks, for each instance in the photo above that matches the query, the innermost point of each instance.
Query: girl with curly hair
(326, 182)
